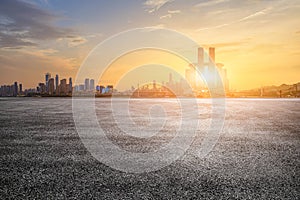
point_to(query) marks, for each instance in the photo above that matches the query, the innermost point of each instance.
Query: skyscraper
(51, 86)
(87, 84)
(15, 89)
(56, 83)
(63, 87)
(92, 85)
(42, 88)
(70, 84)
(81, 87)
(212, 53)
(47, 77)
(200, 57)
(20, 88)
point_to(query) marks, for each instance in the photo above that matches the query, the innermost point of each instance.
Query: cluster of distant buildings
(198, 77)
(11, 90)
(89, 86)
(170, 88)
(51, 87)
(206, 72)
(55, 87)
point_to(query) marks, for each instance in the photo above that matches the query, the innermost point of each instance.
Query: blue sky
(257, 40)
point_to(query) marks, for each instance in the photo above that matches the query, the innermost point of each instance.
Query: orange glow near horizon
(155, 59)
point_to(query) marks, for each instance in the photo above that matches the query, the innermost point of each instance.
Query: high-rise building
(92, 84)
(87, 84)
(15, 89)
(51, 86)
(67, 88)
(63, 87)
(212, 53)
(200, 57)
(207, 74)
(20, 88)
(81, 87)
(47, 77)
(42, 88)
(76, 88)
(56, 83)
(70, 84)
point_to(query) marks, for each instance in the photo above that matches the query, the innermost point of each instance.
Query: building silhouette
(92, 85)
(70, 85)
(206, 72)
(47, 77)
(87, 84)
(15, 89)
(51, 86)
(212, 53)
(20, 88)
(56, 83)
(63, 87)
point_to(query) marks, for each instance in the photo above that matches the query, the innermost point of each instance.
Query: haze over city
(257, 41)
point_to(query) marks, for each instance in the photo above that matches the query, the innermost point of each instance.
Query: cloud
(35, 58)
(48, 51)
(210, 3)
(253, 15)
(74, 40)
(22, 23)
(170, 14)
(166, 16)
(32, 62)
(262, 12)
(174, 11)
(154, 5)
(77, 41)
(12, 42)
(154, 27)
(212, 27)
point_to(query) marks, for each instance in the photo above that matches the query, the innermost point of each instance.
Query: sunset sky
(258, 41)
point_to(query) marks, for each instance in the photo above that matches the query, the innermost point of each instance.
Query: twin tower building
(206, 72)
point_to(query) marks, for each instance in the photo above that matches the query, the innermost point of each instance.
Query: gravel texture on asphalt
(256, 157)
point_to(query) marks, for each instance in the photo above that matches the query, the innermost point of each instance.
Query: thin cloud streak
(256, 14)
(174, 11)
(210, 3)
(259, 13)
(166, 16)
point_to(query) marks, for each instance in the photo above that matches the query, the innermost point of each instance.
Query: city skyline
(199, 78)
(195, 82)
(258, 41)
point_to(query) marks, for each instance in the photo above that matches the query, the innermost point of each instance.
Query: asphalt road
(256, 157)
